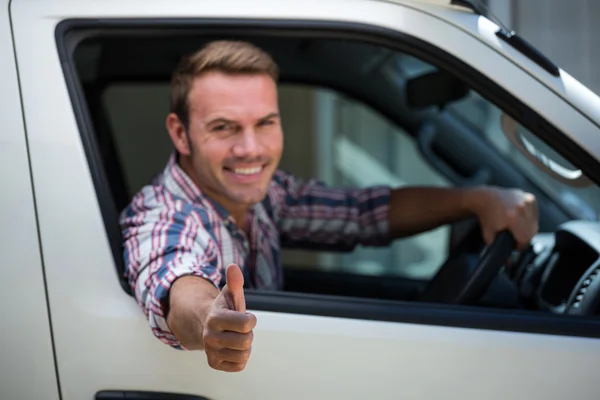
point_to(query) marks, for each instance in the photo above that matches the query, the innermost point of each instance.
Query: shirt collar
(179, 183)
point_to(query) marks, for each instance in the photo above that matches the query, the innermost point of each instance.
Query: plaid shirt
(170, 229)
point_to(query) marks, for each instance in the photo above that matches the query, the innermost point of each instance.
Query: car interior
(557, 273)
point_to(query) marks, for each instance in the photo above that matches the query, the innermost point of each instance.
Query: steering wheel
(457, 283)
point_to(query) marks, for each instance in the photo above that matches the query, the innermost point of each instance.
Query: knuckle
(249, 323)
(209, 337)
(247, 327)
(511, 215)
(239, 366)
(235, 368)
(236, 356)
(212, 319)
(247, 341)
(231, 366)
(213, 360)
(530, 198)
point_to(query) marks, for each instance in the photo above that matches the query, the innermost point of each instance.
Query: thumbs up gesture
(227, 334)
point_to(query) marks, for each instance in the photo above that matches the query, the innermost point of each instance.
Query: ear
(178, 134)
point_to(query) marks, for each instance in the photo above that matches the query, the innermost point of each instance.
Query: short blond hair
(230, 57)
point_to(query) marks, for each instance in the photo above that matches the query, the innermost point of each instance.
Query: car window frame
(70, 31)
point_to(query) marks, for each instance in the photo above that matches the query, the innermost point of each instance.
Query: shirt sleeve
(165, 239)
(311, 215)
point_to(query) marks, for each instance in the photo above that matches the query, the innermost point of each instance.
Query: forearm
(414, 210)
(190, 299)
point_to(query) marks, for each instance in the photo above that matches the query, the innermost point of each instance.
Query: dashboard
(560, 271)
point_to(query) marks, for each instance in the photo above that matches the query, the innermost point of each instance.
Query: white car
(398, 92)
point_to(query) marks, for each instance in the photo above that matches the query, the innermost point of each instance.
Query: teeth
(247, 171)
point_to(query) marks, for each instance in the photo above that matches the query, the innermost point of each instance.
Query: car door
(26, 356)
(329, 347)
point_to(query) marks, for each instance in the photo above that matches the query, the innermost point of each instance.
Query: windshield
(485, 117)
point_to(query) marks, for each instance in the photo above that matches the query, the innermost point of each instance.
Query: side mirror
(434, 89)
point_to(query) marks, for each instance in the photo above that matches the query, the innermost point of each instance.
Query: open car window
(344, 103)
(327, 134)
(374, 110)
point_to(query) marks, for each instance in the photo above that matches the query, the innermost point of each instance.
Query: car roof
(438, 3)
(564, 85)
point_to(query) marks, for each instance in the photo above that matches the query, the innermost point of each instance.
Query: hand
(228, 327)
(506, 209)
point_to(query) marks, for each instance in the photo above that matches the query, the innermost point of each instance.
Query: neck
(238, 212)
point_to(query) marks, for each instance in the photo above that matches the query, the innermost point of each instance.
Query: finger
(521, 244)
(234, 356)
(534, 216)
(235, 287)
(230, 340)
(233, 321)
(522, 237)
(215, 361)
(488, 237)
(527, 228)
(229, 366)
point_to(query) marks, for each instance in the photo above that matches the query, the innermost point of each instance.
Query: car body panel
(26, 347)
(376, 13)
(101, 337)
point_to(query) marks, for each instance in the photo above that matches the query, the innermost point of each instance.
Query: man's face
(235, 136)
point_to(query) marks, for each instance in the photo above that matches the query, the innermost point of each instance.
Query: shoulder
(153, 197)
(154, 204)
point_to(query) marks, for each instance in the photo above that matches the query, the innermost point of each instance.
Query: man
(218, 214)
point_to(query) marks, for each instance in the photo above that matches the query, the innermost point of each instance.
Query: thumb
(234, 287)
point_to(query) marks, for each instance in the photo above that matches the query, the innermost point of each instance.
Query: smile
(245, 175)
(247, 171)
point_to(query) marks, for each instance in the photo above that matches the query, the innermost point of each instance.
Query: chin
(250, 199)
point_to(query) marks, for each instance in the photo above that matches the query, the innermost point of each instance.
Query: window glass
(486, 118)
(346, 134)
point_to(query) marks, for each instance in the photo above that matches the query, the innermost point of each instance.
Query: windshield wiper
(510, 36)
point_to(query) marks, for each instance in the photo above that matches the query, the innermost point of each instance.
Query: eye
(221, 128)
(266, 122)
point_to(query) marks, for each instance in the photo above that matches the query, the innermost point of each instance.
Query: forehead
(216, 94)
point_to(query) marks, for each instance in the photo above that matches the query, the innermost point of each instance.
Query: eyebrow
(270, 116)
(222, 120)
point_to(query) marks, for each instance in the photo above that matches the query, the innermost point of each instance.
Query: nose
(247, 145)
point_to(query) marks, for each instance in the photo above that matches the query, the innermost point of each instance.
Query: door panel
(26, 356)
(102, 339)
